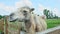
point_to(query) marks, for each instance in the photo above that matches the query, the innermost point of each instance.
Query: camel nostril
(24, 11)
(12, 14)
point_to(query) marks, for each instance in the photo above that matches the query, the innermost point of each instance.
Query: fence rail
(55, 30)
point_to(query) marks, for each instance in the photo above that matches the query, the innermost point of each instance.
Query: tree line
(49, 14)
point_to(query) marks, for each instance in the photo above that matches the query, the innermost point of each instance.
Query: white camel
(32, 22)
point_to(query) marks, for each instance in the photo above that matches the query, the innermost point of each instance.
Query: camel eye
(12, 14)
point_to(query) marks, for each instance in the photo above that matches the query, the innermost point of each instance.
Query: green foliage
(53, 22)
(49, 14)
(55, 16)
(46, 12)
(1, 31)
(1, 16)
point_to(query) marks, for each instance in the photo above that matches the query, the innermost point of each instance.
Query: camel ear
(32, 9)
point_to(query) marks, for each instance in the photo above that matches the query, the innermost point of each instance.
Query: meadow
(52, 23)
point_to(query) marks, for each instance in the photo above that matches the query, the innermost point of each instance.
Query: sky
(9, 6)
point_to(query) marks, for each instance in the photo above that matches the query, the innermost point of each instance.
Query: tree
(55, 16)
(51, 14)
(46, 12)
(1, 16)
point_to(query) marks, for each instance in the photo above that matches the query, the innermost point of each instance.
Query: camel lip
(13, 20)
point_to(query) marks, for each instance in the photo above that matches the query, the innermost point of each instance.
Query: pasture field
(52, 22)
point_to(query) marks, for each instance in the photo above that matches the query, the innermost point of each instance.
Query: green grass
(52, 23)
(0, 30)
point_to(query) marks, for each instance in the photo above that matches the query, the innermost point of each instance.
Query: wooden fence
(2, 24)
(9, 27)
(12, 27)
(55, 30)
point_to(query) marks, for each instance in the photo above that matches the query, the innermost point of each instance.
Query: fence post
(2, 24)
(5, 25)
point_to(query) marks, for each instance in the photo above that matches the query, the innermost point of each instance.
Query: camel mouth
(13, 20)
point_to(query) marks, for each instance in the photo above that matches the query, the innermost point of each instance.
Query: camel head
(22, 14)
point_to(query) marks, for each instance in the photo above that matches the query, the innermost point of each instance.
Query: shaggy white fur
(33, 24)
